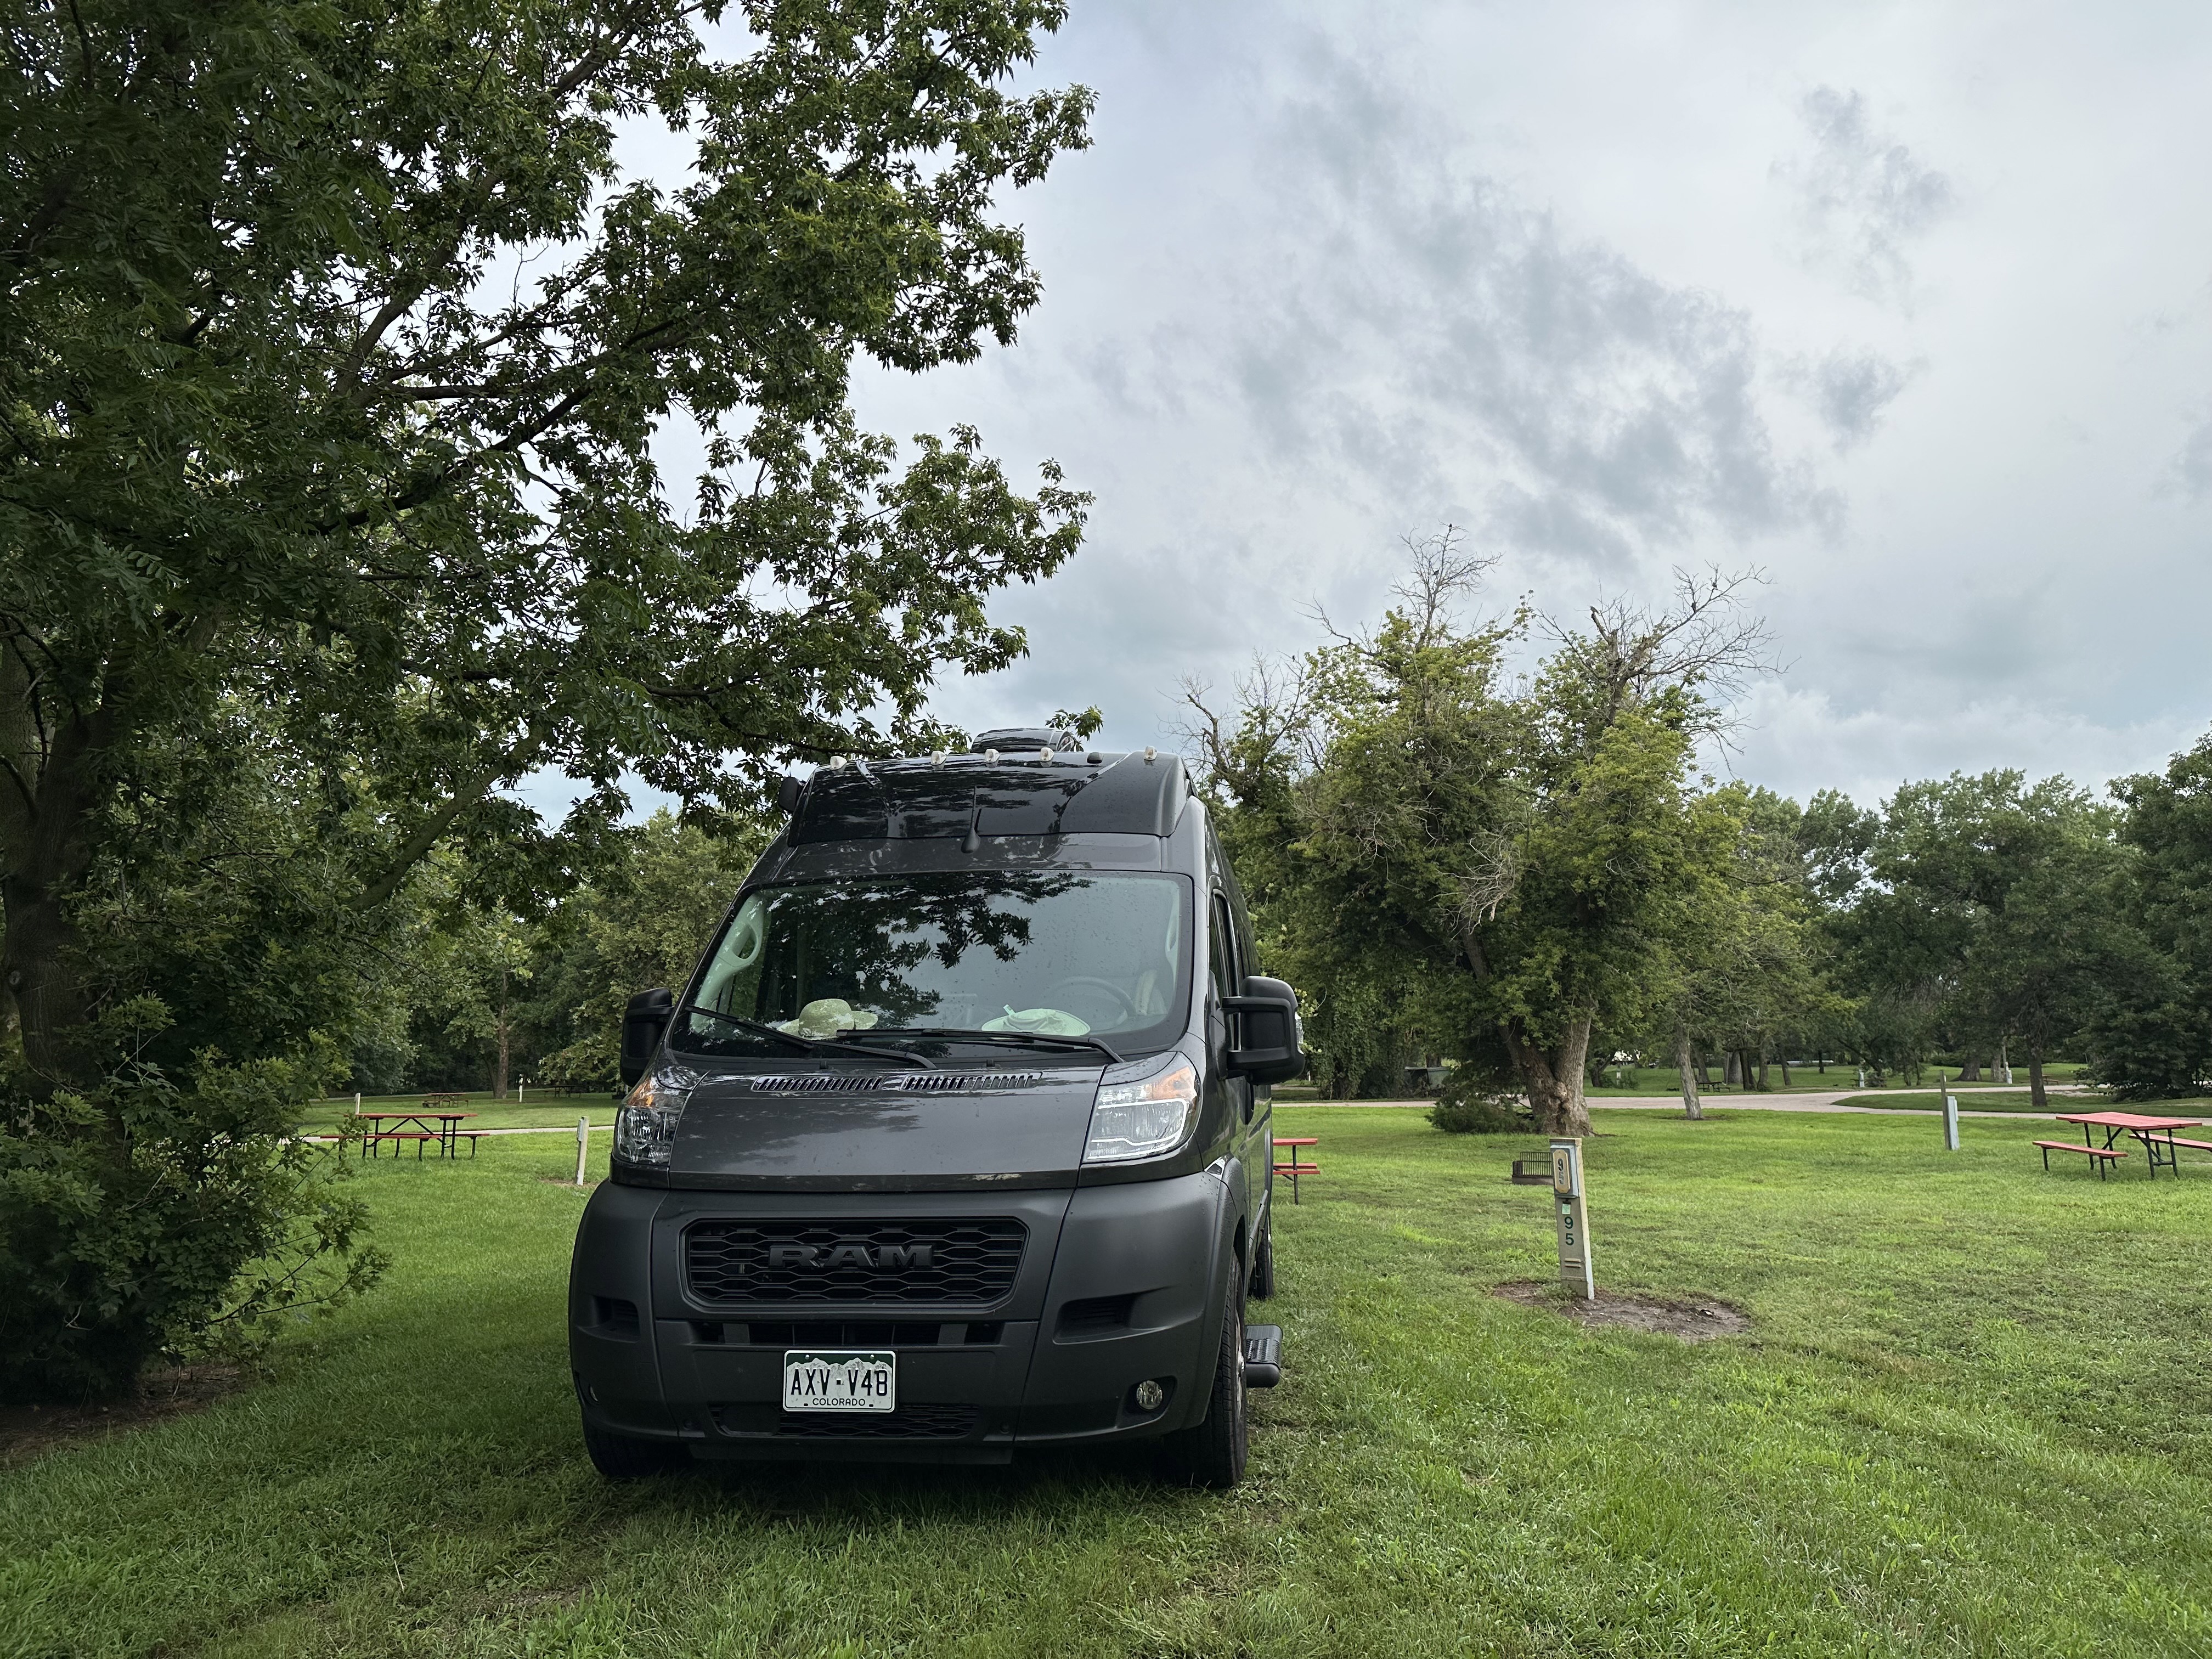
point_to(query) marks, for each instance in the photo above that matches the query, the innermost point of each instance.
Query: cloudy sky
(1910, 308)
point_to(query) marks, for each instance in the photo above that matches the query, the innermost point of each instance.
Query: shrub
(1479, 1106)
(139, 1217)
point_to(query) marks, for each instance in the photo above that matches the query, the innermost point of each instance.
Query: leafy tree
(1987, 907)
(295, 415)
(1746, 966)
(1521, 851)
(2150, 1035)
(643, 922)
(164, 1204)
(336, 352)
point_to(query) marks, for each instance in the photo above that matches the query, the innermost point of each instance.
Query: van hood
(957, 1127)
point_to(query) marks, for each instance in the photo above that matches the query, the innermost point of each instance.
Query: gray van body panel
(1018, 1133)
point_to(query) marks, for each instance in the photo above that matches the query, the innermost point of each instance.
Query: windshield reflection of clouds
(1056, 953)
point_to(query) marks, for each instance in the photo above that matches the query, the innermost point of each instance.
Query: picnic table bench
(433, 1124)
(2155, 1135)
(1294, 1169)
(2098, 1154)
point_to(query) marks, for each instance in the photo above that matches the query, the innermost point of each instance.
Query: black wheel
(622, 1457)
(1263, 1265)
(1211, 1453)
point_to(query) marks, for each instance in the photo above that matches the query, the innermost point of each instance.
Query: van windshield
(1057, 953)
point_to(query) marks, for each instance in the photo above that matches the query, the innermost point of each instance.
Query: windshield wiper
(762, 1028)
(965, 1035)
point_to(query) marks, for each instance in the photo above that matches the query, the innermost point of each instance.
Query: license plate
(839, 1381)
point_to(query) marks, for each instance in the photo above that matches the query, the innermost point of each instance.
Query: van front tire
(1211, 1453)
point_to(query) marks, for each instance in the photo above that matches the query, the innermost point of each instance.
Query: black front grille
(738, 1263)
(839, 1333)
(907, 1423)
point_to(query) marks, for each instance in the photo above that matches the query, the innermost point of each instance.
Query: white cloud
(1864, 198)
(1333, 276)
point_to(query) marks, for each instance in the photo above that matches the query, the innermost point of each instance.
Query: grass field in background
(1807, 1079)
(1974, 1415)
(2019, 1100)
(534, 1111)
(1803, 1079)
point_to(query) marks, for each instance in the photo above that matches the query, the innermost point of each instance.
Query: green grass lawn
(1972, 1417)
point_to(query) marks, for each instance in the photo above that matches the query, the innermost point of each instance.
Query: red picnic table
(2156, 1134)
(447, 1133)
(1294, 1169)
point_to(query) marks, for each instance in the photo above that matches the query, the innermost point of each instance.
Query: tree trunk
(35, 966)
(2036, 1096)
(1731, 1070)
(46, 809)
(2004, 1062)
(1786, 1068)
(1970, 1071)
(499, 1078)
(1554, 1078)
(1762, 1068)
(1691, 1106)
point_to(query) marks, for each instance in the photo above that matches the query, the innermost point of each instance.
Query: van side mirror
(644, 1022)
(1273, 1049)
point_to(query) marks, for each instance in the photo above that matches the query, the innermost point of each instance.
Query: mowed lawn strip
(1972, 1417)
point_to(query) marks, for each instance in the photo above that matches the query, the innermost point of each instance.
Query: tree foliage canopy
(342, 350)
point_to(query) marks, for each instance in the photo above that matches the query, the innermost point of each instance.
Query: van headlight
(1142, 1110)
(645, 1124)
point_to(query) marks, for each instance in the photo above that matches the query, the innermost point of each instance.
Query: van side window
(1221, 951)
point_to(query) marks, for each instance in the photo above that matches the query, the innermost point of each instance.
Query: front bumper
(1116, 1285)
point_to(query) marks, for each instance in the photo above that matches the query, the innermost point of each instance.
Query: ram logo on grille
(924, 1260)
(848, 1256)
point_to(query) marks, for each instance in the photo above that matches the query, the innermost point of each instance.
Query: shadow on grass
(865, 1496)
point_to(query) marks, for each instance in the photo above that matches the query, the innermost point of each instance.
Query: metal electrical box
(1572, 1203)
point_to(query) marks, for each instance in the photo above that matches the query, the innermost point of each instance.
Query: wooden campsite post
(583, 1146)
(1573, 1205)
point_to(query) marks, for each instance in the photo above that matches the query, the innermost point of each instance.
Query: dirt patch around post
(26, 1431)
(1692, 1321)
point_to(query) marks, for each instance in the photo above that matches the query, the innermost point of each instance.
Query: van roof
(1066, 793)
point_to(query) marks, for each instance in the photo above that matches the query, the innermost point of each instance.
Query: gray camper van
(957, 1143)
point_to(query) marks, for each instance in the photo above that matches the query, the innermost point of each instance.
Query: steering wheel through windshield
(1125, 1009)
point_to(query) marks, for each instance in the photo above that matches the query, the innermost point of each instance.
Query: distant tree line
(477, 998)
(1528, 875)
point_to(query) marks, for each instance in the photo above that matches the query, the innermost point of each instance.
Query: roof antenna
(973, 841)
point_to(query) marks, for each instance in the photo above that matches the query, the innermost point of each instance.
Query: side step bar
(1263, 1356)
